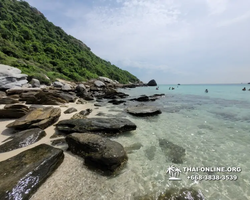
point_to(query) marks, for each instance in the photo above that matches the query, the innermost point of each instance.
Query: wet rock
(97, 151)
(37, 118)
(184, 193)
(24, 173)
(152, 83)
(11, 77)
(173, 152)
(133, 147)
(141, 98)
(104, 125)
(70, 110)
(14, 111)
(22, 139)
(99, 84)
(57, 142)
(176, 194)
(116, 102)
(8, 100)
(35, 83)
(143, 111)
(150, 152)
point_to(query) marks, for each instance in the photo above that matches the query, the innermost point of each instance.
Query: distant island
(44, 51)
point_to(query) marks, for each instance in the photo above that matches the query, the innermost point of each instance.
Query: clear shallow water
(213, 128)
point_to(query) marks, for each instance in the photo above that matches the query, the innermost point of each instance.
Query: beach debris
(173, 152)
(98, 152)
(39, 117)
(103, 125)
(142, 110)
(22, 139)
(24, 173)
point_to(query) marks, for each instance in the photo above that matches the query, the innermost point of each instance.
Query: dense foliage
(31, 43)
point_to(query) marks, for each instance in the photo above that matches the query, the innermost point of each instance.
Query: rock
(152, 83)
(174, 152)
(14, 111)
(11, 77)
(8, 100)
(143, 111)
(22, 139)
(183, 193)
(22, 90)
(66, 87)
(57, 84)
(35, 83)
(24, 173)
(82, 114)
(99, 84)
(48, 97)
(88, 97)
(40, 117)
(116, 102)
(98, 104)
(141, 98)
(81, 101)
(97, 151)
(2, 94)
(58, 142)
(107, 80)
(175, 194)
(81, 90)
(104, 125)
(133, 147)
(70, 110)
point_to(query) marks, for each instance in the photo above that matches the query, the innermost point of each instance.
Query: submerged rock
(24, 173)
(133, 147)
(22, 139)
(174, 152)
(176, 194)
(142, 111)
(39, 117)
(104, 125)
(98, 152)
(14, 111)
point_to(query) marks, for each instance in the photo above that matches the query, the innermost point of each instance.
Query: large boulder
(97, 151)
(11, 77)
(107, 80)
(104, 125)
(35, 83)
(37, 118)
(152, 83)
(82, 114)
(142, 111)
(70, 110)
(13, 111)
(24, 173)
(99, 84)
(22, 139)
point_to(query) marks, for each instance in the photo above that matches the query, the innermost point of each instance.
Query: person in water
(206, 90)
(244, 89)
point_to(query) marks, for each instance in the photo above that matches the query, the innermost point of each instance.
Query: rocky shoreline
(30, 110)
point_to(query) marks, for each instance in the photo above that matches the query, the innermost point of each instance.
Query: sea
(200, 142)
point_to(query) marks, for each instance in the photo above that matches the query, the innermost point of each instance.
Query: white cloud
(232, 21)
(217, 6)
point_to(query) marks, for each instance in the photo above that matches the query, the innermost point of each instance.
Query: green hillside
(31, 43)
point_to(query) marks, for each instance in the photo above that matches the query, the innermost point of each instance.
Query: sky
(171, 41)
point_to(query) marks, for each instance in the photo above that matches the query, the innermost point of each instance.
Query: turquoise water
(213, 128)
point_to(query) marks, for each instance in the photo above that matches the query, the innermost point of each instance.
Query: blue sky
(171, 41)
